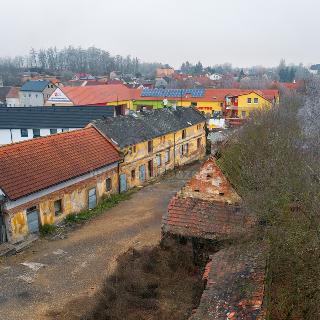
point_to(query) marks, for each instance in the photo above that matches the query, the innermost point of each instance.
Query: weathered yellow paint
(137, 155)
(73, 199)
(19, 227)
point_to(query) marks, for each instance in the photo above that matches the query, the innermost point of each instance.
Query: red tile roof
(13, 93)
(197, 218)
(235, 285)
(99, 94)
(37, 164)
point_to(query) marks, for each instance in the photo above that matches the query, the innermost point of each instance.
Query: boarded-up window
(167, 156)
(58, 207)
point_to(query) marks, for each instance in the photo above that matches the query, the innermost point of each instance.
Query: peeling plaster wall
(137, 156)
(73, 198)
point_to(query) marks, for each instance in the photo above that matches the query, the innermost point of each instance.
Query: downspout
(174, 150)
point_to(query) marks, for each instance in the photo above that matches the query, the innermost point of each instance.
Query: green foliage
(105, 204)
(47, 229)
(268, 164)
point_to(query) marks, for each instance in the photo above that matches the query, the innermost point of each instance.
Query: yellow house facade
(212, 102)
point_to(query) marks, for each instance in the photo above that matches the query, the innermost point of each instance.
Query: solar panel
(195, 93)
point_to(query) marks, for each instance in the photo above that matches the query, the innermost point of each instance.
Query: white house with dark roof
(20, 124)
(35, 93)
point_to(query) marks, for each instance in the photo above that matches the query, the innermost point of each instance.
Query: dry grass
(153, 283)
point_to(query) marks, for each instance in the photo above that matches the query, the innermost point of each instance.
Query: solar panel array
(195, 93)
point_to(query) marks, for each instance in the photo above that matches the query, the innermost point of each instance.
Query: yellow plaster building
(155, 141)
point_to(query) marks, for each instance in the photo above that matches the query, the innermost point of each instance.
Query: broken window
(133, 174)
(108, 184)
(198, 143)
(150, 146)
(167, 156)
(184, 149)
(57, 207)
(150, 168)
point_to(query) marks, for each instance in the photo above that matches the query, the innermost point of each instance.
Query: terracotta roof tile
(99, 94)
(235, 284)
(36, 164)
(192, 217)
(13, 93)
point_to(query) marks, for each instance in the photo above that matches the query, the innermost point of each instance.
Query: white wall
(31, 99)
(13, 102)
(14, 135)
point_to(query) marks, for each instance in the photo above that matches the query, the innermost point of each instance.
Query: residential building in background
(116, 95)
(164, 72)
(155, 141)
(3, 94)
(212, 102)
(12, 97)
(35, 93)
(20, 124)
(43, 180)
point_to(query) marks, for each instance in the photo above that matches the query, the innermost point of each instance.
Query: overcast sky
(243, 32)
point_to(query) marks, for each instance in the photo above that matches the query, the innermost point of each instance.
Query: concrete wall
(14, 135)
(74, 198)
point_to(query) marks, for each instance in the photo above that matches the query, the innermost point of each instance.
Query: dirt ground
(52, 273)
